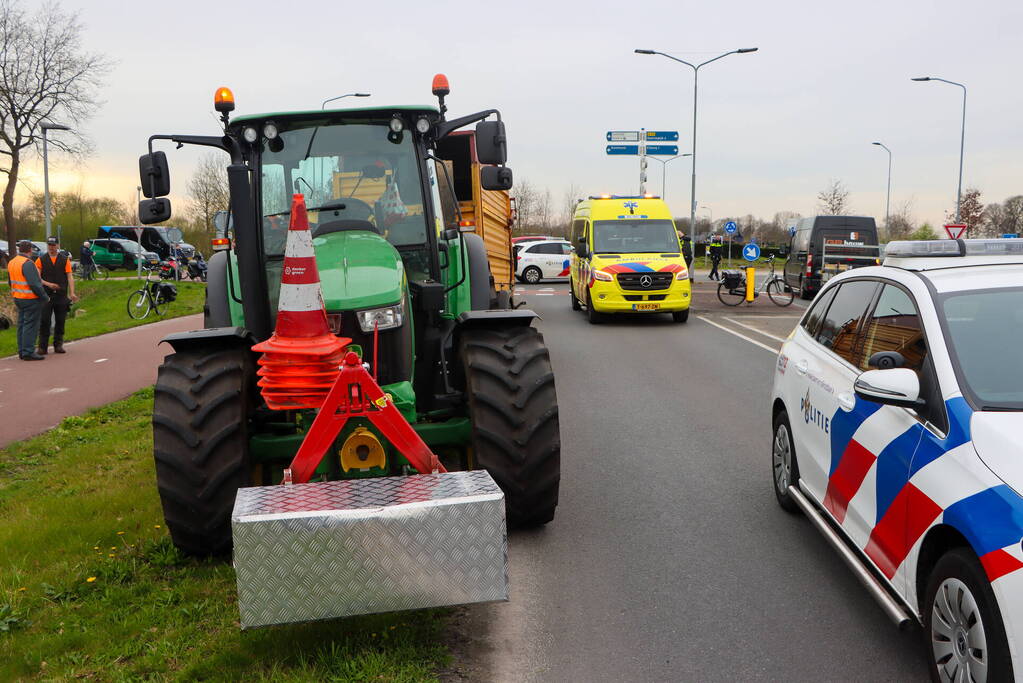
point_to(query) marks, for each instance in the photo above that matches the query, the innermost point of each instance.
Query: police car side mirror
(892, 387)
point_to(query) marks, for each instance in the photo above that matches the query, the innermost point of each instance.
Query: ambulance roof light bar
(941, 248)
(625, 196)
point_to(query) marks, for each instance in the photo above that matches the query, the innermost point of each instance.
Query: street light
(46, 171)
(351, 94)
(888, 201)
(962, 136)
(664, 168)
(696, 73)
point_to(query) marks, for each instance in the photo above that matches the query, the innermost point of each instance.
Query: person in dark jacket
(87, 261)
(715, 257)
(55, 271)
(29, 297)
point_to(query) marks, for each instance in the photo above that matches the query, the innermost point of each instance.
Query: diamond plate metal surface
(340, 548)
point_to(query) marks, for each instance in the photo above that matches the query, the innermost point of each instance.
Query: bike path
(36, 396)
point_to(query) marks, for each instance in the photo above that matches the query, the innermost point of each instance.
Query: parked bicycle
(732, 288)
(152, 296)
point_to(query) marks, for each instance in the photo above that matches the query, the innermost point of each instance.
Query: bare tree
(208, 190)
(971, 211)
(571, 198)
(545, 211)
(525, 196)
(900, 221)
(834, 199)
(45, 75)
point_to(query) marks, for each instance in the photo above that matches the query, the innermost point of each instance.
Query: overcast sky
(774, 126)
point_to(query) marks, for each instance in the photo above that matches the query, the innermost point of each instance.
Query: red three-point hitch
(356, 394)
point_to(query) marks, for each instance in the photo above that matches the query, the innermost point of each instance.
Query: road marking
(57, 390)
(758, 331)
(101, 360)
(740, 336)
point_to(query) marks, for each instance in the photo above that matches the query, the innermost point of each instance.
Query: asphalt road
(669, 559)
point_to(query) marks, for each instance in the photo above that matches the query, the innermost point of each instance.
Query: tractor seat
(344, 225)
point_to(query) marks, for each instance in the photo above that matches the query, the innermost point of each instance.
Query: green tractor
(404, 274)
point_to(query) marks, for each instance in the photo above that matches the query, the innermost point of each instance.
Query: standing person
(715, 257)
(86, 259)
(29, 297)
(55, 270)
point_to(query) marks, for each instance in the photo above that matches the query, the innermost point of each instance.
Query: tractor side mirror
(154, 210)
(222, 223)
(154, 175)
(491, 143)
(496, 178)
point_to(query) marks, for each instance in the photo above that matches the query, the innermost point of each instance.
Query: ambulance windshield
(634, 236)
(979, 323)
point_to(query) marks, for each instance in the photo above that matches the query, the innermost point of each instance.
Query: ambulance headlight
(602, 276)
(682, 274)
(385, 318)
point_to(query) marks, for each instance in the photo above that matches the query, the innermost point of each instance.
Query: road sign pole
(642, 161)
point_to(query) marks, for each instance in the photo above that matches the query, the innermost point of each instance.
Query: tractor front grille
(634, 281)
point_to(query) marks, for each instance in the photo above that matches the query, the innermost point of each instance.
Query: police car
(898, 417)
(545, 259)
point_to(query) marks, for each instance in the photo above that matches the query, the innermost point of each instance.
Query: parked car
(822, 246)
(119, 253)
(543, 260)
(160, 239)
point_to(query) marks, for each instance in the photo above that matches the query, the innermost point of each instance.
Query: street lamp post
(711, 212)
(888, 200)
(962, 137)
(664, 168)
(351, 94)
(46, 171)
(696, 73)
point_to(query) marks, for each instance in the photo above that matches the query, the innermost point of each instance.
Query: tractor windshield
(353, 177)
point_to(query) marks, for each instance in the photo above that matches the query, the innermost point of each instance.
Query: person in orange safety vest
(29, 297)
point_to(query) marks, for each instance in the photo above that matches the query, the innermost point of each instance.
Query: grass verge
(91, 586)
(102, 308)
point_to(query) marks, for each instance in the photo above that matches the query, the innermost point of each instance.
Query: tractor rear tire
(201, 409)
(513, 408)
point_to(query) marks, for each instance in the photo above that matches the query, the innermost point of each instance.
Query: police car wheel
(784, 468)
(532, 275)
(965, 634)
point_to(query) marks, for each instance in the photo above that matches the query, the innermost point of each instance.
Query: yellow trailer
(489, 211)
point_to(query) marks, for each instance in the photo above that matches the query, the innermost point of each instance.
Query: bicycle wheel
(779, 293)
(100, 273)
(731, 297)
(138, 304)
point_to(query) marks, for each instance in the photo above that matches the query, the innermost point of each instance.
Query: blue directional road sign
(666, 150)
(623, 136)
(751, 252)
(623, 149)
(662, 136)
(730, 227)
(1010, 235)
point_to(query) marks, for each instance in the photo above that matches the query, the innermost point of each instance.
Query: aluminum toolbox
(360, 546)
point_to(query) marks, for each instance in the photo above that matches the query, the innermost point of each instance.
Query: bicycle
(151, 297)
(96, 272)
(732, 288)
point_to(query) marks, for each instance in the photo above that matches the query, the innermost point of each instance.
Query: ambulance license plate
(645, 307)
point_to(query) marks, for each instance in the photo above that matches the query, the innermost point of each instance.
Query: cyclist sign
(751, 252)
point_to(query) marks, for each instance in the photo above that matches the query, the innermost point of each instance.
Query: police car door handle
(801, 367)
(846, 401)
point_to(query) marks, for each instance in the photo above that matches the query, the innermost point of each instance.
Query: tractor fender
(500, 319)
(480, 289)
(211, 338)
(217, 311)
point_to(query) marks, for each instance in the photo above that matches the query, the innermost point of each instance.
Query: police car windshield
(983, 326)
(633, 236)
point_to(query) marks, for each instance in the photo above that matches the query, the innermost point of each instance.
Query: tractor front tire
(513, 408)
(201, 410)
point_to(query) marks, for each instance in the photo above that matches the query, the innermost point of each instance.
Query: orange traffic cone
(302, 358)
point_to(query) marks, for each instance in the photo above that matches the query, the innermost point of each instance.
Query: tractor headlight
(250, 134)
(269, 130)
(423, 125)
(385, 318)
(397, 125)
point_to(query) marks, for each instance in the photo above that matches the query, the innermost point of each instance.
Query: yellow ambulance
(627, 258)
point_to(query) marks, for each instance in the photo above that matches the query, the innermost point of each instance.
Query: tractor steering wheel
(345, 207)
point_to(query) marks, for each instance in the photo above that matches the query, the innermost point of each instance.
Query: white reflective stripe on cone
(300, 244)
(300, 297)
